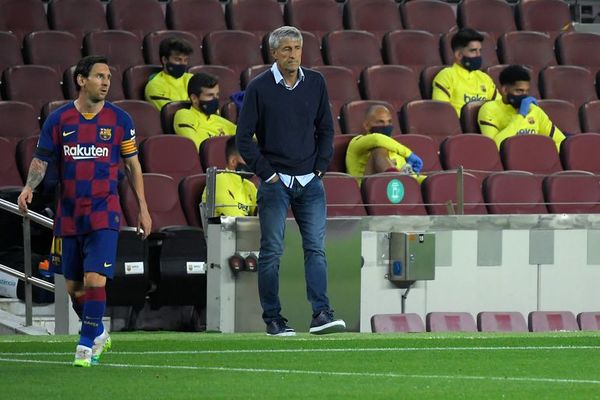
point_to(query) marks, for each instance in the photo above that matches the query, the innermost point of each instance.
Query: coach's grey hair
(284, 32)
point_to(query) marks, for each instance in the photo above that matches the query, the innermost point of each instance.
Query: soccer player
(170, 84)
(516, 112)
(85, 139)
(463, 82)
(202, 120)
(375, 151)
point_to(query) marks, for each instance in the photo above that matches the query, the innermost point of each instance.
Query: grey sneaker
(279, 327)
(324, 323)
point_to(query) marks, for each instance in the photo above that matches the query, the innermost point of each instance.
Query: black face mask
(244, 168)
(383, 129)
(209, 107)
(176, 70)
(515, 100)
(471, 63)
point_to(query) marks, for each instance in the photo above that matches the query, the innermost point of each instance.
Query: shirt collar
(279, 78)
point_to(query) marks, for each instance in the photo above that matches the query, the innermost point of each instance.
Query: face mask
(383, 129)
(176, 70)
(209, 107)
(471, 63)
(515, 100)
(244, 168)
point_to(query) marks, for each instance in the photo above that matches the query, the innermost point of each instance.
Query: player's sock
(93, 310)
(77, 303)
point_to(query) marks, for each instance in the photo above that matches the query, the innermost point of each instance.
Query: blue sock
(93, 311)
(77, 303)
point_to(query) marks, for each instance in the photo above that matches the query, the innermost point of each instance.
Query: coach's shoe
(324, 322)
(83, 356)
(279, 327)
(102, 343)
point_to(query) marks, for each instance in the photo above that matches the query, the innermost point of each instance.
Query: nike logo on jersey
(68, 133)
(107, 265)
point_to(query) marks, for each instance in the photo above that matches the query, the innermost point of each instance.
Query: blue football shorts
(93, 252)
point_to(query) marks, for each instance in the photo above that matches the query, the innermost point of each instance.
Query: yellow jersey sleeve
(194, 125)
(163, 88)
(359, 150)
(234, 196)
(442, 86)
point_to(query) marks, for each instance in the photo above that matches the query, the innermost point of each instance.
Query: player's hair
(284, 32)
(463, 37)
(85, 65)
(513, 74)
(174, 44)
(199, 81)
(373, 109)
(231, 148)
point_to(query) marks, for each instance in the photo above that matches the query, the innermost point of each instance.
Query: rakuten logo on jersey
(83, 152)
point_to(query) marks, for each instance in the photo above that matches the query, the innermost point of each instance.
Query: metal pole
(27, 271)
(460, 191)
(211, 183)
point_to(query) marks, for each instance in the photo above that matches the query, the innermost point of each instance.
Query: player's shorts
(92, 252)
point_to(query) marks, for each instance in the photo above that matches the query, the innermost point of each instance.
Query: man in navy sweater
(287, 107)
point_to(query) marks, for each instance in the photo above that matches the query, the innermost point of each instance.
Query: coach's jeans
(308, 206)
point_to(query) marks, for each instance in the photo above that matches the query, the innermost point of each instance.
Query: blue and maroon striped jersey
(86, 150)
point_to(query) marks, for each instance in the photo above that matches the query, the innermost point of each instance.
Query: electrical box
(412, 256)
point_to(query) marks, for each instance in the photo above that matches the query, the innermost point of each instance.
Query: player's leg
(378, 161)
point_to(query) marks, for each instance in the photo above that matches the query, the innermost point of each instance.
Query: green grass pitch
(558, 365)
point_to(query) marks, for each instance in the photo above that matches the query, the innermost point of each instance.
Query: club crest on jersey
(105, 133)
(483, 88)
(531, 120)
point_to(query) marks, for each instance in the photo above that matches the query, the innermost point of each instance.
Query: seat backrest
(212, 152)
(175, 156)
(534, 49)
(152, 45)
(534, 87)
(252, 72)
(9, 172)
(563, 114)
(256, 16)
(19, 120)
(50, 107)
(395, 84)
(476, 153)
(488, 321)
(425, 147)
(579, 48)
(138, 16)
(316, 16)
(145, 117)
(122, 48)
(488, 49)
(340, 145)
(375, 16)
(450, 322)
(22, 16)
(550, 16)
(135, 79)
(353, 114)
(25, 151)
(33, 84)
(10, 48)
(589, 114)
(197, 17)
(428, 15)
(544, 321)
(229, 79)
(237, 50)
(339, 48)
(414, 49)
(426, 80)
(392, 194)
(568, 82)
(77, 16)
(56, 49)
(469, 114)
(524, 197)
(532, 153)
(589, 321)
(343, 195)
(492, 16)
(416, 117)
(407, 322)
(439, 189)
(580, 152)
(341, 84)
(190, 194)
(167, 115)
(572, 193)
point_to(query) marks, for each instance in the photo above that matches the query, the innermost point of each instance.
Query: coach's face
(288, 55)
(97, 83)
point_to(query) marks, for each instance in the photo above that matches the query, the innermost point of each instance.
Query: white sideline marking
(327, 373)
(334, 350)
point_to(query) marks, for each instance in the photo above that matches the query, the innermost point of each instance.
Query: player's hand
(144, 223)
(25, 198)
(415, 162)
(526, 104)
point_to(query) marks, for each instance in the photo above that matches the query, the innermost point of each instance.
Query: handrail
(33, 280)
(35, 217)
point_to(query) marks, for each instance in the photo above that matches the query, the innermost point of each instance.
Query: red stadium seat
(568, 82)
(395, 84)
(190, 194)
(339, 48)
(22, 16)
(426, 80)
(19, 120)
(425, 147)
(122, 48)
(340, 145)
(252, 72)
(432, 16)
(524, 197)
(563, 114)
(33, 84)
(589, 114)
(544, 321)
(580, 152)
(236, 49)
(501, 322)
(469, 117)
(10, 48)
(532, 153)
(534, 49)
(492, 16)
(439, 192)
(135, 79)
(152, 44)
(477, 154)
(343, 195)
(341, 87)
(414, 49)
(353, 114)
(146, 118)
(25, 151)
(416, 117)
(316, 16)
(589, 321)
(550, 16)
(56, 49)
(77, 16)
(375, 16)
(579, 48)
(375, 195)
(167, 115)
(170, 155)
(212, 152)
(386, 323)
(450, 322)
(197, 17)
(572, 193)
(138, 16)
(257, 16)
(9, 172)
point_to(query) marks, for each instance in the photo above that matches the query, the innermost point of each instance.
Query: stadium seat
(589, 115)
(197, 17)
(77, 16)
(375, 16)
(25, 151)
(167, 115)
(212, 152)
(340, 145)
(550, 16)
(387, 323)
(315, 16)
(544, 321)
(135, 79)
(488, 49)
(524, 197)
(374, 193)
(190, 194)
(492, 16)
(563, 114)
(534, 90)
(122, 48)
(138, 16)
(450, 322)
(229, 80)
(236, 49)
(469, 117)
(170, 155)
(414, 49)
(50, 107)
(433, 16)
(579, 48)
(589, 321)
(416, 117)
(353, 113)
(9, 172)
(33, 84)
(439, 190)
(395, 84)
(580, 152)
(426, 80)
(10, 48)
(19, 120)
(22, 16)
(146, 118)
(56, 49)
(572, 193)
(343, 195)
(477, 154)
(339, 48)
(425, 147)
(341, 87)
(568, 82)
(532, 153)
(152, 44)
(257, 16)
(534, 49)
(252, 72)
(488, 321)
(114, 93)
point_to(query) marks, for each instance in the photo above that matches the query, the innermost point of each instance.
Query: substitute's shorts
(92, 252)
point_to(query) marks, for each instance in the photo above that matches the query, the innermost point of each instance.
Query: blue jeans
(308, 206)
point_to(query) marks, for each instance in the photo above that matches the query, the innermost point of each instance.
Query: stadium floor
(557, 365)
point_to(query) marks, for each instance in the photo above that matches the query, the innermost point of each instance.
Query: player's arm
(442, 87)
(548, 128)
(133, 170)
(155, 94)
(37, 171)
(367, 143)
(489, 127)
(184, 126)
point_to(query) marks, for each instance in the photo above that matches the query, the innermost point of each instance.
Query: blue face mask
(383, 129)
(176, 70)
(471, 63)
(209, 107)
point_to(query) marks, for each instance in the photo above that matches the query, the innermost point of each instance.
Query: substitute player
(85, 139)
